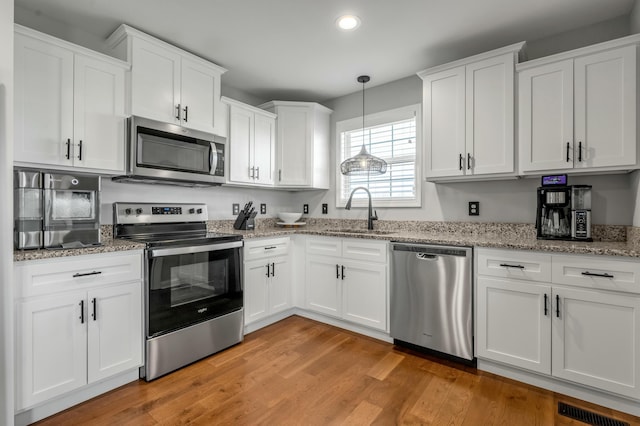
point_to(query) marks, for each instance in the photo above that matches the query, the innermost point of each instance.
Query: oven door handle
(163, 252)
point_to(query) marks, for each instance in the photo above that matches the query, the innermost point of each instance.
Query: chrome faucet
(372, 215)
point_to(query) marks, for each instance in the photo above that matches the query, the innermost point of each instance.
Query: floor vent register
(587, 416)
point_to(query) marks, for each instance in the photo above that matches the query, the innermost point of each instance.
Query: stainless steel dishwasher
(431, 298)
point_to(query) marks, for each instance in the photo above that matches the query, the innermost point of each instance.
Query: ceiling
(292, 49)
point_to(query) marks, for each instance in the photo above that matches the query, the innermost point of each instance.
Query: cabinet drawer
(515, 264)
(326, 246)
(259, 249)
(371, 251)
(38, 277)
(597, 272)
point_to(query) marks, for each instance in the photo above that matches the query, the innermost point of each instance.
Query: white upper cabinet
(251, 147)
(69, 105)
(302, 144)
(169, 84)
(468, 116)
(577, 110)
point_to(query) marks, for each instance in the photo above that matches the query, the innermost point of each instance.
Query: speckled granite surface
(608, 240)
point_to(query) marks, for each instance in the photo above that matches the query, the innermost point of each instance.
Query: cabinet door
(280, 285)
(514, 323)
(323, 285)
(605, 108)
(595, 339)
(264, 147)
(294, 145)
(364, 290)
(444, 123)
(490, 115)
(546, 117)
(240, 145)
(51, 347)
(114, 316)
(155, 82)
(200, 98)
(256, 290)
(99, 118)
(43, 102)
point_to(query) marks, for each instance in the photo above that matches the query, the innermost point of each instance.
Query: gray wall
(6, 212)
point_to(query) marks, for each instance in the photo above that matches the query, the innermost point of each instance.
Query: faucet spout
(371, 216)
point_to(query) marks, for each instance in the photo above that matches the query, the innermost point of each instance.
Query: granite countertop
(610, 240)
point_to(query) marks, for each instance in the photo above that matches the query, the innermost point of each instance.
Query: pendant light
(363, 163)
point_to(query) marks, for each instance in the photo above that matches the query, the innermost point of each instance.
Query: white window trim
(375, 119)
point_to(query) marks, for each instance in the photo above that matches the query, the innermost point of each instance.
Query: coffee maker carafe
(554, 212)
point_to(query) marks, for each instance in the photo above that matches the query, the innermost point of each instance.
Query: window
(393, 136)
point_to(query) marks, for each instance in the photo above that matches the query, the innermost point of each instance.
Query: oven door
(188, 285)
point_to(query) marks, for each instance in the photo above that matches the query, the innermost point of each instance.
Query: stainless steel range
(193, 283)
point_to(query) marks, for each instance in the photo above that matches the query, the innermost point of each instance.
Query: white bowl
(289, 217)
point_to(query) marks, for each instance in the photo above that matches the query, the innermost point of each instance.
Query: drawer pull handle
(95, 311)
(76, 275)
(273, 269)
(270, 248)
(546, 310)
(81, 311)
(268, 272)
(507, 265)
(591, 274)
(337, 271)
(343, 276)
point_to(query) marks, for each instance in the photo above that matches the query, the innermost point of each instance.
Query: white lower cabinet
(267, 278)
(75, 331)
(343, 285)
(580, 333)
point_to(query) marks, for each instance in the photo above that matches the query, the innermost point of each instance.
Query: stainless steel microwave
(160, 152)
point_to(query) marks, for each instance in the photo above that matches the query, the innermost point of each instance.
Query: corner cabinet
(251, 144)
(577, 110)
(554, 314)
(468, 117)
(347, 279)
(267, 278)
(78, 322)
(302, 144)
(169, 84)
(69, 105)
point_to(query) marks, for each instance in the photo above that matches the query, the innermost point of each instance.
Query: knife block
(245, 222)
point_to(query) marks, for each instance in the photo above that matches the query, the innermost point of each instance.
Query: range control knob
(192, 211)
(138, 211)
(127, 211)
(199, 211)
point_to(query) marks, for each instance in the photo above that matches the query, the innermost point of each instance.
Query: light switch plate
(235, 208)
(305, 209)
(263, 208)
(325, 208)
(474, 208)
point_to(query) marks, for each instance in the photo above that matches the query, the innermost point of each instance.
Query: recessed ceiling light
(348, 22)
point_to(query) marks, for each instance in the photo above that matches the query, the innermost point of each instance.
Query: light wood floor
(301, 372)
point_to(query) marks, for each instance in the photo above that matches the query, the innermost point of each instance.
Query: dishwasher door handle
(426, 256)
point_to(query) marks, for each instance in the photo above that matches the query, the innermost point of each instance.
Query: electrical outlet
(235, 208)
(325, 208)
(474, 208)
(305, 209)
(263, 208)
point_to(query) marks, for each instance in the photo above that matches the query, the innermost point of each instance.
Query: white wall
(6, 212)
(218, 199)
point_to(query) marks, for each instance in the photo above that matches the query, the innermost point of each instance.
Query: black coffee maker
(564, 211)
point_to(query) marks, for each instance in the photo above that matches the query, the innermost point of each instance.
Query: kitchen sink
(361, 231)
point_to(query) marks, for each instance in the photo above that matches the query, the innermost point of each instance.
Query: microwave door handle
(163, 252)
(213, 158)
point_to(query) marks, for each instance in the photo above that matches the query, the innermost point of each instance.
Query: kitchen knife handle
(94, 315)
(68, 149)
(81, 311)
(186, 113)
(80, 151)
(568, 149)
(460, 159)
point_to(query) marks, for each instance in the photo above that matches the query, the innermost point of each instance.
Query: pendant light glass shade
(363, 163)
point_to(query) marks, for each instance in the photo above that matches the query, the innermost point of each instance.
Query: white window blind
(392, 136)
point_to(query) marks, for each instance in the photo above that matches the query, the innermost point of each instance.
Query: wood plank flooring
(301, 372)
